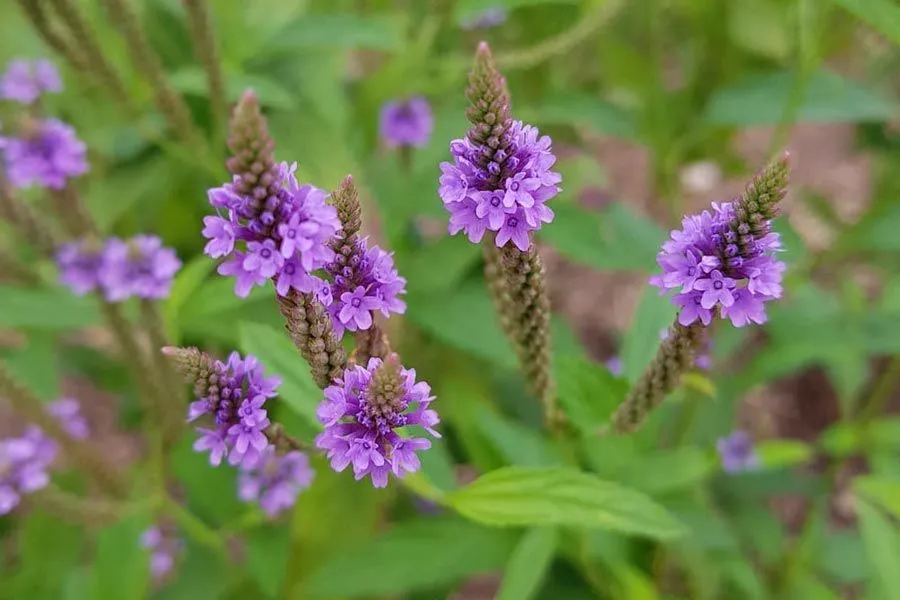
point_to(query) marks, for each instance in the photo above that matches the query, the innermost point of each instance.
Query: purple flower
(79, 266)
(705, 264)
(737, 452)
(234, 399)
(364, 281)
(281, 236)
(24, 460)
(48, 156)
(364, 412)
(488, 18)
(275, 481)
(164, 548)
(614, 365)
(519, 176)
(25, 81)
(406, 123)
(140, 267)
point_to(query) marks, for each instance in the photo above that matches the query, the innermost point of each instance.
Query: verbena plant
(330, 329)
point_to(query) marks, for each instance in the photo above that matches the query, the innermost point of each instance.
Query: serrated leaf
(435, 551)
(517, 496)
(882, 546)
(528, 564)
(828, 98)
(588, 392)
(278, 355)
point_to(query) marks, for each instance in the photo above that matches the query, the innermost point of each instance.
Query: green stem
(197, 530)
(881, 393)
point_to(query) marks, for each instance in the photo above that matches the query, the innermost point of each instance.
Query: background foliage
(652, 516)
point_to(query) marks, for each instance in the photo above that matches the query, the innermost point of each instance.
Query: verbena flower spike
(498, 186)
(721, 263)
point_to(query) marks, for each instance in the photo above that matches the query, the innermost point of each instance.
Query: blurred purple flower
(47, 156)
(234, 400)
(24, 81)
(282, 236)
(489, 17)
(140, 267)
(737, 452)
(508, 195)
(363, 412)
(164, 548)
(275, 481)
(406, 123)
(24, 460)
(614, 365)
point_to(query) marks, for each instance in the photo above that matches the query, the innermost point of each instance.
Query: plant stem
(197, 529)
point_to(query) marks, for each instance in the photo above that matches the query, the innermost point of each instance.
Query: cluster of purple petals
(704, 263)
(513, 208)
(737, 452)
(25, 81)
(276, 480)
(360, 433)
(47, 155)
(234, 404)
(490, 17)
(164, 549)
(406, 123)
(285, 241)
(140, 267)
(24, 460)
(366, 281)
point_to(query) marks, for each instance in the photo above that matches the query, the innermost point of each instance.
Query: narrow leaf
(528, 564)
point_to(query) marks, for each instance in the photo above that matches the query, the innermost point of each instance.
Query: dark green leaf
(519, 445)
(201, 576)
(528, 564)
(267, 555)
(418, 555)
(438, 266)
(48, 549)
(121, 567)
(211, 492)
(653, 315)
(37, 365)
(516, 496)
(588, 392)
(54, 309)
(278, 355)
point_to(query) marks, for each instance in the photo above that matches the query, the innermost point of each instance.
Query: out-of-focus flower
(490, 17)
(164, 550)
(406, 123)
(24, 81)
(363, 413)
(275, 481)
(737, 452)
(48, 155)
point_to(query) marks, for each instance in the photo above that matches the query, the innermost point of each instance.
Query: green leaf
(779, 454)
(516, 496)
(413, 556)
(588, 392)
(54, 309)
(37, 365)
(584, 113)
(882, 546)
(437, 465)
(653, 315)
(528, 564)
(279, 356)
(201, 576)
(762, 27)
(186, 283)
(120, 567)
(114, 195)
(664, 472)
(211, 493)
(48, 549)
(267, 556)
(519, 445)
(337, 31)
(191, 80)
(438, 266)
(828, 98)
(881, 15)
(884, 492)
(614, 239)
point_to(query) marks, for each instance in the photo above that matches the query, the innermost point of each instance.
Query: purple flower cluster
(24, 460)
(737, 452)
(406, 123)
(363, 282)
(489, 17)
(25, 81)
(140, 267)
(286, 240)
(704, 262)
(236, 393)
(276, 480)
(515, 206)
(164, 549)
(47, 153)
(362, 423)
